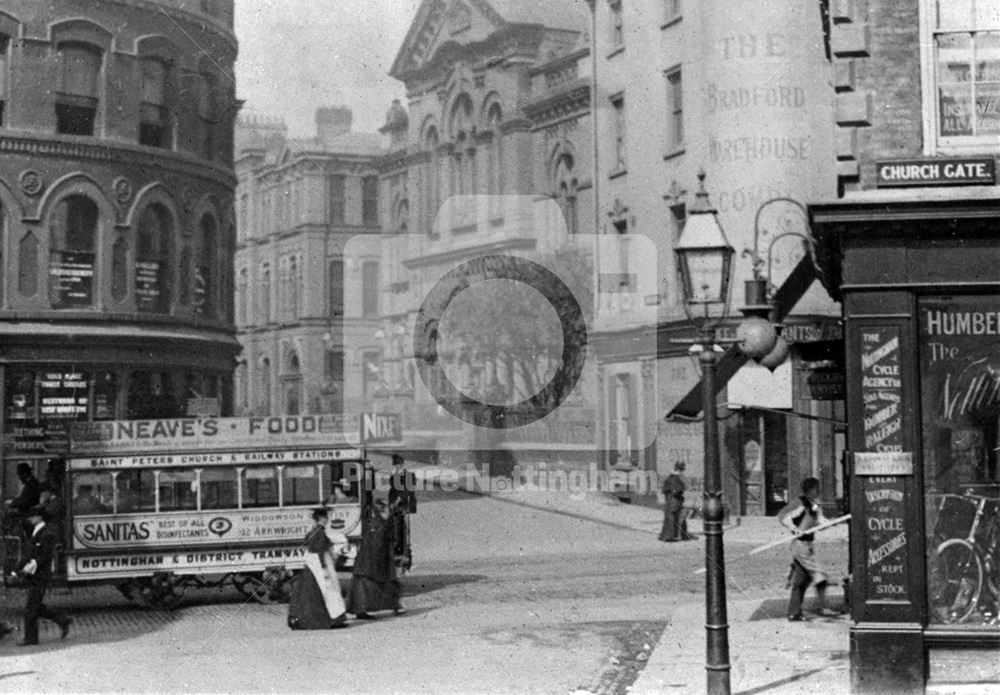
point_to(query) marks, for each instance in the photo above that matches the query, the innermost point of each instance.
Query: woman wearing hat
(674, 523)
(316, 602)
(374, 586)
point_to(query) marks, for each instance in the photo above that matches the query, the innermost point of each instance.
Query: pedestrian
(801, 515)
(674, 521)
(37, 571)
(316, 601)
(30, 490)
(374, 586)
(402, 502)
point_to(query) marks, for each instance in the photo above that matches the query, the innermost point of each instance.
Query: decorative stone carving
(31, 182)
(122, 189)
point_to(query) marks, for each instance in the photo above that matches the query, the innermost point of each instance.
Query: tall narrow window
(154, 118)
(335, 199)
(265, 386)
(119, 269)
(618, 104)
(205, 268)
(242, 292)
(566, 196)
(333, 372)
(265, 294)
(293, 287)
(4, 69)
(369, 288)
(72, 247)
(495, 166)
(79, 88)
(336, 281)
(205, 105)
(152, 262)
(369, 200)
(675, 110)
(433, 186)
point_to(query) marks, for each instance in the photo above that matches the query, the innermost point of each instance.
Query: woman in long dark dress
(374, 586)
(316, 602)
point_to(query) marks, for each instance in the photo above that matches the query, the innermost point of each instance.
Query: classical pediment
(443, 28)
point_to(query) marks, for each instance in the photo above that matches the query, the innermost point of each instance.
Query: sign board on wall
(980, 171)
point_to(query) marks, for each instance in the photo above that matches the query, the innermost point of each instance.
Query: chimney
(332, 122)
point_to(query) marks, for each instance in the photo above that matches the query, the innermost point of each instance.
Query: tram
(155, 506)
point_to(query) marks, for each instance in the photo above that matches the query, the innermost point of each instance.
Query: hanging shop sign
(980, 171)
(827, 384)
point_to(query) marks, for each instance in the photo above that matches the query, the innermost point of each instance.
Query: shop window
(72, 243)
(93, 493)
(960, 51)
(335, 199)
(178, 490)
(301, 486)
(960, 392)
(155, 128)
(369, 288)
(135, 491)
(369, 200)
(219, 488)
(152, 268)
(79, 88)
(260, 487)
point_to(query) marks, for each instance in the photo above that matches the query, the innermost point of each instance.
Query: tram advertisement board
(187, 529)
(211, 434)
(184, 561)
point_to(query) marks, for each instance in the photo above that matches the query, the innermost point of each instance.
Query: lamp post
(704, 258)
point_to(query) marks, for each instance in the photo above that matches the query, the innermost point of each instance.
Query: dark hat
(320, 512)
(38, 510)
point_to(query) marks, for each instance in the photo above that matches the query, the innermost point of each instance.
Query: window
(294, 286)
(335, 199)
(566, 195)
(675, 110)
(204, 271)
(265, 294)
(495, 182)
(433, 177)
(242, 296)
(962, 67)
(72, 241)
(369, 288)
(178, 490)
(135, 491)
(265, 386)
(333, 371)
(204, 100)
(301, 485)
(369, 200)
(27, 265)
(618, 103)
(154, 118)
(260, 487)
(152, 263)
(4, 68)
(371, 371)
(79, 88)
(119, 269)
(93, 493)
(219, 488)
(617, 24)
(336, 287)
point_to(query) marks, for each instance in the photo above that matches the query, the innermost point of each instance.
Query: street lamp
(704, 259)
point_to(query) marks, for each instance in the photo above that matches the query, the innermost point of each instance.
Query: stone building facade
(116, 191)
(299, 301)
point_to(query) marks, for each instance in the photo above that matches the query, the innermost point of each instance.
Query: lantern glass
(706, 275)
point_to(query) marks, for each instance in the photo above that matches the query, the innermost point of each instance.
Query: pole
(716, 621)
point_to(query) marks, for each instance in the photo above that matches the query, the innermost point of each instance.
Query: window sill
(616, 51)
(676, 19)
(617, 172)
(675, 152)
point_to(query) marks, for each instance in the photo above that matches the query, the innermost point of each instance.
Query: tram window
(218, 488)
(92, 493)
(260, 487)
(177, 490)
(136, 491)
(301, 486)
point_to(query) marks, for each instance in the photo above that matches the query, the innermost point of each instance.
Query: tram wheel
(270, 586)
(163, 591)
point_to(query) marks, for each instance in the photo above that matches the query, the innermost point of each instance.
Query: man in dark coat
(674, 523)
(30, 490)
(37, 571)
(402, 501)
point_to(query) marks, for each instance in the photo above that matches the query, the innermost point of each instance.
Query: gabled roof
(424, 34)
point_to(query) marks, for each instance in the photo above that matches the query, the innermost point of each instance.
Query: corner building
(116, 186)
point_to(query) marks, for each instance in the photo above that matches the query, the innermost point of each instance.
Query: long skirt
(369, 595)
(316, 603)
(674, 526)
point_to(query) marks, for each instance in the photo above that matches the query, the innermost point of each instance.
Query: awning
(784, 300)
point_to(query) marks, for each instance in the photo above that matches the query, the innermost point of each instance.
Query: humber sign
(936, 172)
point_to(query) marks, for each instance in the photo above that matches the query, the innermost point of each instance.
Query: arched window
(242, 292)
(205, 267)
(293, 385)
(265, 294)
(495, 183)
(433, 187)
(72, 246)
(401, 217)
(79, 88)
(155, 126)
(152, 260)
(464, 162)
(566, 193)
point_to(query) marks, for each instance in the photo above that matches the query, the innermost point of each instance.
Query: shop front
(918, 275)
